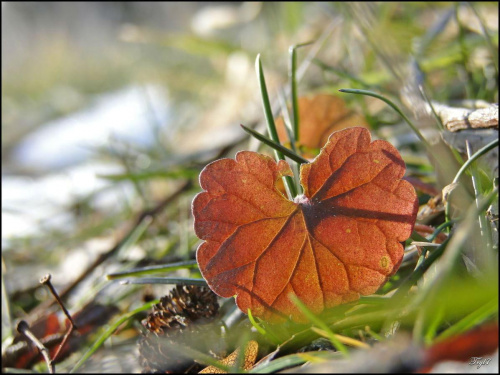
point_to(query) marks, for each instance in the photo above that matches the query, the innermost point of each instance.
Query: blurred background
(109, 107)
(89, 87)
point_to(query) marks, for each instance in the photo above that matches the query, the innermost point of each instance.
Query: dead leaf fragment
(251, 351)
(319, 117)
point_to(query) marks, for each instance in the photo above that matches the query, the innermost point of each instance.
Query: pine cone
(181, 318)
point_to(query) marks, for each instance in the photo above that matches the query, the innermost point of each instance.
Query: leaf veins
(339, 240)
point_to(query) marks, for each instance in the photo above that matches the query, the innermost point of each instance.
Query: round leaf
(339, 240)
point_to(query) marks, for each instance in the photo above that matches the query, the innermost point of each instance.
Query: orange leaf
(342, 238)
(320, 116)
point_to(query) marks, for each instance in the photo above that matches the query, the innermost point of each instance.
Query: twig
(23, 329)
(46, 281)
(72, 326)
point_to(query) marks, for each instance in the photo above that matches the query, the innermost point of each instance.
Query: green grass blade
(147, 175)
(256, 325)
(166, 280)
(474, 157)
(293, 92)
(317, 321)
(271, 126)
(153, 269)
(436, 320)
(393, 106)
(287, 121)
(135, 235)
(449, 260)
(419, 271)
(276, 146)
(348, 76)
(476, 184)
(471, 320)
(440, 228)
(433, 110)
(466, 165)
(293, 87)
(415, 236)
(110, 331)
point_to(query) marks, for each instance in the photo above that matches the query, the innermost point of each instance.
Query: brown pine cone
(183, 318)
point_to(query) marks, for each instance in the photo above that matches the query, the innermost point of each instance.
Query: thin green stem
(436, 232)
(466, 165)
(395, 107)
(135, 234)
(293, 88)
(276, 146)
(287, 120)
(474, 157)
(462, 234)
(415, 236)
(289, 133)
(348, 76)
(293, 93)
(470, 320)
(476, 184)
(419, 271)
(317, 321)
(271, 126)
(440, 228)
(153, 269)
(436, 320)
(256, 325)
(433, 110)
(166, 280)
